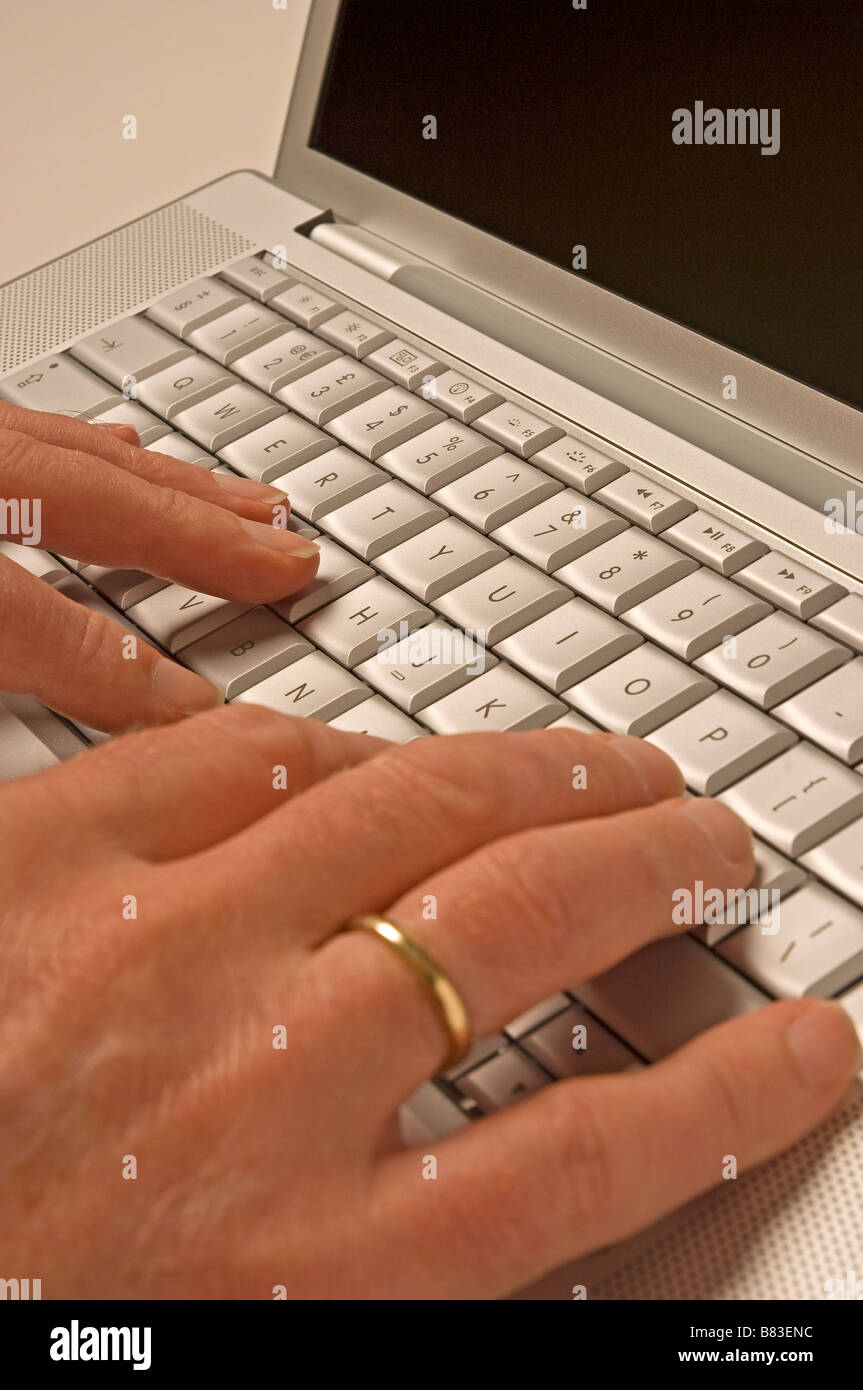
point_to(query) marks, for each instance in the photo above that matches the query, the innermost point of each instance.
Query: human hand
(154, 1140)
(106, 501)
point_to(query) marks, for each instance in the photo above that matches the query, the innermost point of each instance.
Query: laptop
(549, 319)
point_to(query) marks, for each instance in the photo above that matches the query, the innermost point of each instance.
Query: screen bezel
(773, 403)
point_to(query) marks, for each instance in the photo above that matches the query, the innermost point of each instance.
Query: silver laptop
(552, 328)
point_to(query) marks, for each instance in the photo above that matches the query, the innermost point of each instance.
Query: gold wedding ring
(436, 983)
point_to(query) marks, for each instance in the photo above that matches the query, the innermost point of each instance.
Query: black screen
(555, 129)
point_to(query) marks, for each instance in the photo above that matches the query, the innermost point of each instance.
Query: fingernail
(825, 1044)
(183, 690)
(118, 429)
(286, 542)
(654, 770)
(244, 487)
(731, 836)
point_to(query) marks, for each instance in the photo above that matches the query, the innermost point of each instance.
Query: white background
(208, 80)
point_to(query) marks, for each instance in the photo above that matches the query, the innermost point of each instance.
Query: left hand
(103, 499)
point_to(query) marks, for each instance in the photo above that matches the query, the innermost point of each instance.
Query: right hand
(150, 1037)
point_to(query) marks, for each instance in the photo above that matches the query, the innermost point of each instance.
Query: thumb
(86, 666)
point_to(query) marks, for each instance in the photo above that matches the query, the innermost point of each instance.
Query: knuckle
(18, 450)
(98, 640)
(727, 1091)
(590, 1174)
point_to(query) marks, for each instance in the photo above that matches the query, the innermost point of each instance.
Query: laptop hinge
(364, 249)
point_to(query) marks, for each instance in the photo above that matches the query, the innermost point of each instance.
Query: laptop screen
(701, 158)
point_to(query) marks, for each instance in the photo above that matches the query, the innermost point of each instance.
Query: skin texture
(166, 908)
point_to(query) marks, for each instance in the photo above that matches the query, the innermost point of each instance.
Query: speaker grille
(782, 1231)
(49, 308)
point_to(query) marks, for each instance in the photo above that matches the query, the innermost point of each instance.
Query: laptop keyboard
(483, 569)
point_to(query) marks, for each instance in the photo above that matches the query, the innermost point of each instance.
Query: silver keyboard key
(798, 799)
(519, 431)
(60, 386)
(538, 1014)
(380, 719)
(134, 348)
(704, 990)
(559, 530)
(245, 651)
(568, 645)
(257, 277)
(365, 621)
(461, 397)
(772, 660)
(839, 860)
(626, 570)
(192, 380)
(429, 1114)
(329, 391)
(501, 699)
(306, 306)
(313, 687)
(338, 573)
(177, 617)
(440, 559)
(639, 691)
(222, 418)
(122, 587)
(237, 332)
(503, 1080)
(496, 492)
(337, 477)
(21, 752)
(714, 543)
(193, 305)
(381, 520)
(177, 446)
(773, 874)
(438, 456)
(501, 600)
(480, 1050)
(404, 363)
(285, 443)
(351, 333)
(286, 358)
(645, 502)
(790, 585)
(696, 613)
(852, 1002)
(387, 420)
(578, 465)
(577, 1044)
(721, 740)
(427, 665)
(37, 562)
(830, 712)
(574, 721)
(817, 950)
(844, 621)
(149, 428)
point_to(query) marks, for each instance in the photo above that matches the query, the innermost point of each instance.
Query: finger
(85, 666)
(375, 831)
(93, 511)
(525, 917)
(119, 445)
(586, 1163)
(168, 793)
